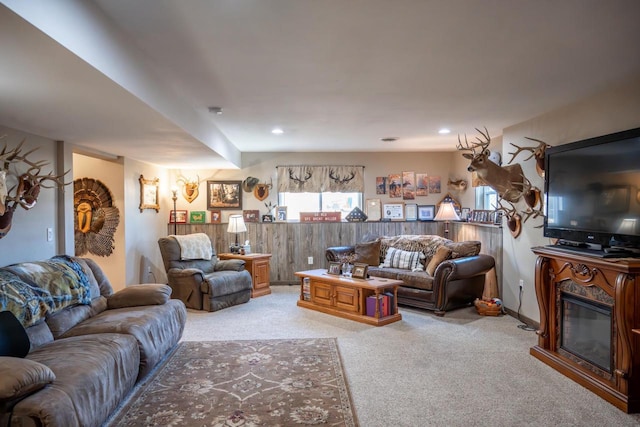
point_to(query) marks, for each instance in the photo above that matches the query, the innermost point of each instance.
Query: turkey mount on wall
(96, 218)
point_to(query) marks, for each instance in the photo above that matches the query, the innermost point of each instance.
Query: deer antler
(299, 180)
(338, 179)
(472, 147)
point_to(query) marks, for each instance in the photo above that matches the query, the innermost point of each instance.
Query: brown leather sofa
(450, 275)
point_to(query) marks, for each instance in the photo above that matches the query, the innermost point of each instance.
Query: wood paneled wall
(291, 244)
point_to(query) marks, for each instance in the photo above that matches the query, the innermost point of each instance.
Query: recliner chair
(204, 284)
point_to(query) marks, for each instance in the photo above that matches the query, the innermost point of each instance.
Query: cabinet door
(347, 299)
(321, 293)
(260, 274)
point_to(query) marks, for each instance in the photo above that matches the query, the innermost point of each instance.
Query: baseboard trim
(524, 319)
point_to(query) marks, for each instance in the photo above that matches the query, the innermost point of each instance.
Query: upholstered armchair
(199, 278)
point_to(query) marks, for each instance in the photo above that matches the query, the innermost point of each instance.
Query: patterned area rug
(244, 383)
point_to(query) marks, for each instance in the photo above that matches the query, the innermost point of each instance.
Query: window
(319, 202)
(304, 188)
(486, 198)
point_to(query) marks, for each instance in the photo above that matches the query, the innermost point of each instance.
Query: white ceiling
(336, 75)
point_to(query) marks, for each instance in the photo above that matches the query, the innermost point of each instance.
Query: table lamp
(446, 213)
(236, 225)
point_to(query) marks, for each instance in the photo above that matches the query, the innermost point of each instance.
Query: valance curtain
(318, 179)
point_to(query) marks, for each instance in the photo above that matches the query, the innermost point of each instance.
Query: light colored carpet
(458, 370)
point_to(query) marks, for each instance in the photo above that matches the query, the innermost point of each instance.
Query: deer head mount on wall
(509, 181)
(190, 187)
(21, 188)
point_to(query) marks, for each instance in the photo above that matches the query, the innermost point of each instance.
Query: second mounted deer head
(190, 187)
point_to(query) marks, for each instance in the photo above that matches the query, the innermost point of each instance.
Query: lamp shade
(236, 224)
(447, 213)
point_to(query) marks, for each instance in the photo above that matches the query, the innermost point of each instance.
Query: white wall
(27, 239)
(610, 111)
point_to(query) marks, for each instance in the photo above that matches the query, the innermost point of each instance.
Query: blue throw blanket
(30, 290)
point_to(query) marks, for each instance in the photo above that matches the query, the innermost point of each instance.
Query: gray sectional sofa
(89, 346)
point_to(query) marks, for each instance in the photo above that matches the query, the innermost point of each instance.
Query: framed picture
(422, 184)
(267, 218)
(216, 216)
(426, 212)
(334, 268)
(381, 185)
(435, 185)
(224, 195)
(197, 217)
(393, 211)
(395, 185)
(408, 185)
(359, 271)
(411, 212)
(373, 209)
(464, 214)
(251, 216)
(281, 214)
(178, 217)
(149, 194)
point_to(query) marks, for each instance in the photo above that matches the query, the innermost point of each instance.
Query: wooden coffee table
(347, 297)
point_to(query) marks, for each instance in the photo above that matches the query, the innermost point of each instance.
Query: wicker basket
(488, 308)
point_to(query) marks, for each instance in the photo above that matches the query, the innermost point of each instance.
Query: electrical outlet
(49, 234)
(310, 260)
(521, 284)
(148, 269)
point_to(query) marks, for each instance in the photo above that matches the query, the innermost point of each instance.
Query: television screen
(592, 190)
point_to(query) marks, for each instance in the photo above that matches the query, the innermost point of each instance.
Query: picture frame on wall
(216, 216)
(178, 217)
(251, 215)
(426, 212)
(373, 209)
(197, 217)
(411, 212)
(149, 189)
(224, 195)
(393, 211)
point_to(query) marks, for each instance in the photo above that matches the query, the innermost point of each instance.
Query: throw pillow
(368, 253)
(397, 258)
(21, 377)
(442, 253)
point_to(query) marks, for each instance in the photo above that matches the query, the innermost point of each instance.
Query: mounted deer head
(26, 186)
(261, 191)
(190, 188)
(503, 179)
(537, 152)
(514, 219)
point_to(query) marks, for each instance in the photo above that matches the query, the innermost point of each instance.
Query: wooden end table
(258, 266)
(347, 297)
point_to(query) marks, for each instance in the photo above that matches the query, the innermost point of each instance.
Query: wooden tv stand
(617, 283)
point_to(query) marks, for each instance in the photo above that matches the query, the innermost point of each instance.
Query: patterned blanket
(30, 290)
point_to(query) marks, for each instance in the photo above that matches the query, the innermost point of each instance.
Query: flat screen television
(592, 190)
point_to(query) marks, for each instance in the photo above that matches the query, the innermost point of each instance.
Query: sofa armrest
(334, 253)
(21, 377)
(229, 265)
(136, 295)
(463, 268)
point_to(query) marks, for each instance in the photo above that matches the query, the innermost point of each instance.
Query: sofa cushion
(62, 321)
(157, 328)
(385, 273)
(21, 377)
(464, 249)
(93, 375)
(368, 253)
(416, 279)
(397, 258)
(226, 282)
(145, 294)
(442, 253)
(425, 243)
(39, 334)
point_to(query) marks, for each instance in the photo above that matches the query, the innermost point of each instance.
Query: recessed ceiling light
(215, 110)
(277, 131)
(444, 131)
(389, 139)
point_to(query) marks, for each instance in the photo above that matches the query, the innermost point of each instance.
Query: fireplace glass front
(586, 330)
